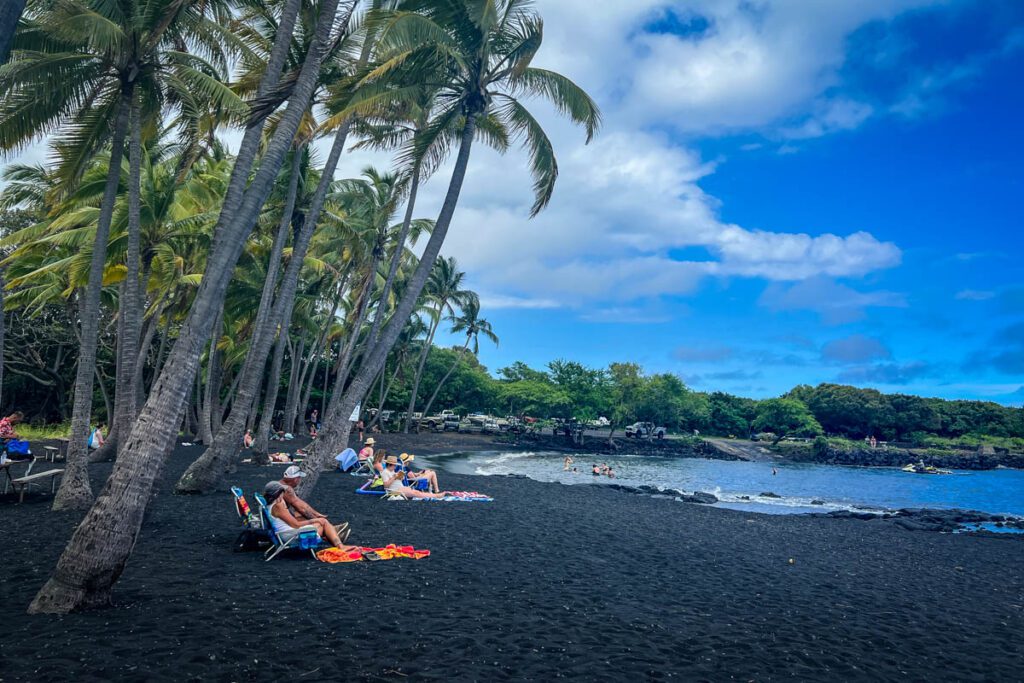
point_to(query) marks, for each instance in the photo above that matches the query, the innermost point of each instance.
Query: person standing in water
(567, 463)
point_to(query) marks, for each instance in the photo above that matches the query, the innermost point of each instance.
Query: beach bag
(93, 441)
(17, 448)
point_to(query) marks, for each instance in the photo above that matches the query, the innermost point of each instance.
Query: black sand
(548, 581)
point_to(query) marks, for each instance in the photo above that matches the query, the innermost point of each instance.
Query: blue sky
(783, 193)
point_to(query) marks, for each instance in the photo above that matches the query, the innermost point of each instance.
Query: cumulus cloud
(856, 348)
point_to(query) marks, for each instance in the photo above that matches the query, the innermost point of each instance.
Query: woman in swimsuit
(393, 482)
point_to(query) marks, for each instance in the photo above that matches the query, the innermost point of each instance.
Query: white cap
(293, 472)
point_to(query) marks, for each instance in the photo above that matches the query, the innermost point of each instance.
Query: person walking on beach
(360, 428)
(285, 488)
(314, 419)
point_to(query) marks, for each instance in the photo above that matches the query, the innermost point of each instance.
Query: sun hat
(405, 457)
(391, 460)
(293, 472)
(370, 441)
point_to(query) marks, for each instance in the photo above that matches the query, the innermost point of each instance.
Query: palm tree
(477, 55)
(470, 322)
(97, 552)
(444, 293)
(98, 63)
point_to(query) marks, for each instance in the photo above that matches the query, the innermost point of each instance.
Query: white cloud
(834, 302)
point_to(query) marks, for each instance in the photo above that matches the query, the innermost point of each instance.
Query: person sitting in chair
(285, 488)
(429, 475)
(394, 484)
(287, 523)
(366, 452)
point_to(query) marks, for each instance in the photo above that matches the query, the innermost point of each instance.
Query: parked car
(437, 422)
(599, 423)
(451, 421)
(645, 430)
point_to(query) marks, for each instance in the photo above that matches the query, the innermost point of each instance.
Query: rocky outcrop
(897, 457)
(701, 497)
(680, 448)
(926, 519)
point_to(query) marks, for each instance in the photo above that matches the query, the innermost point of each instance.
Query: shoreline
(548, 580)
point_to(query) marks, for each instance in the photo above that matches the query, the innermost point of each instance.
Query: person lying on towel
(394, 484)
(287, 525)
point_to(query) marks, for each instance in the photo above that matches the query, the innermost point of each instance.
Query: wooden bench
(21, 484)
(51, 453)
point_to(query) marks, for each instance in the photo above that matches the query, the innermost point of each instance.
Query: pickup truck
(479, 423)
(438, 422)
(644, 430)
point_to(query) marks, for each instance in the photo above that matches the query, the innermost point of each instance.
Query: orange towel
(388, 552)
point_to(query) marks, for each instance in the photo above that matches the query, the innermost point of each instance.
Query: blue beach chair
(305, 537)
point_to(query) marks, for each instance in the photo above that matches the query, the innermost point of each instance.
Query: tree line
(210, 288)
(624, 393)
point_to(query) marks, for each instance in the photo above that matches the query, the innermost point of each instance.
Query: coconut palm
(97, 552)
(80, 66)
(469, 322)
(477, 55)
(444, 293)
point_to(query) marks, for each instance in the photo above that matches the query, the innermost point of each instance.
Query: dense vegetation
(623, 393)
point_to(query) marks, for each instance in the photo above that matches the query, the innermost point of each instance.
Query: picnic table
(21, 484)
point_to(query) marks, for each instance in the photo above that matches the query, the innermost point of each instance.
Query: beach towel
(462, 497)
(347, 459)
(388, 552)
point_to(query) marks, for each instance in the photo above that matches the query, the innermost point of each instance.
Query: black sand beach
(547, 581)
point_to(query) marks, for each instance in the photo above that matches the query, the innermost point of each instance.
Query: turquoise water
(839, 488)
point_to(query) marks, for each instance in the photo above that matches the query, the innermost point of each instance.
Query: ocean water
(739, 485)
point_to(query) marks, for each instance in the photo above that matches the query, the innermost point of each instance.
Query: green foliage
(786, 417)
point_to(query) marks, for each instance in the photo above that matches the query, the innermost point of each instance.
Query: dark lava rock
(769, 494)
(817, 502)
(699, 497)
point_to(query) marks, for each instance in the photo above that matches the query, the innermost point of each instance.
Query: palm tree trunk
(437, 389)
(385, 392)
(130, 301)
(74, 491)
(10, 12)
(261, 443)
(336, 423)
(206, 471)
(434, 324)
(3, 331)
(206, 397)
(396, 258)
(291, 400)
(97, 553)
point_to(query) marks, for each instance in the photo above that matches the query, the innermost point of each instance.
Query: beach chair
(253, 536)
(305, 539)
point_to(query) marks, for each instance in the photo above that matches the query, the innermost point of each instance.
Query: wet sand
(547, 581)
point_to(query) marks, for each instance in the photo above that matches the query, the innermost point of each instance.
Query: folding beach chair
(304, 538)
(254, 536)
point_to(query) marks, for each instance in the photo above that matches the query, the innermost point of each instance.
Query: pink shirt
(364, 454)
